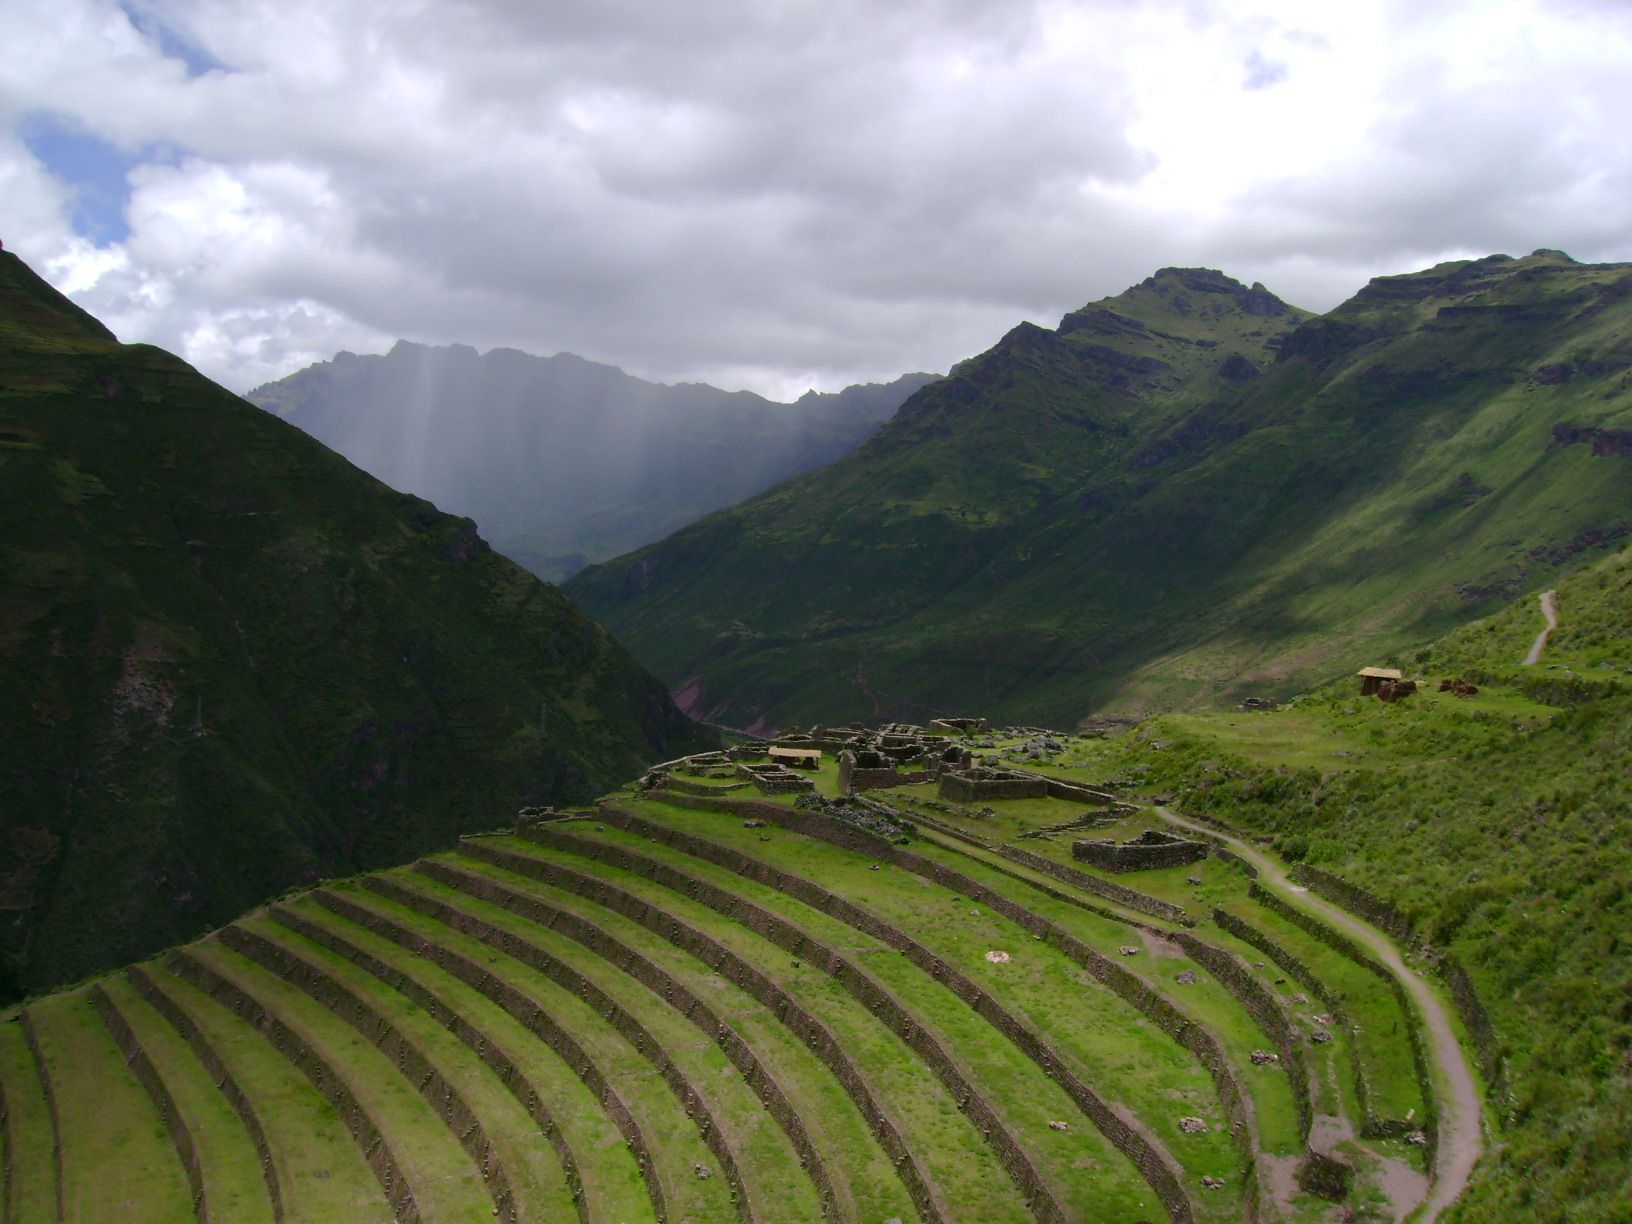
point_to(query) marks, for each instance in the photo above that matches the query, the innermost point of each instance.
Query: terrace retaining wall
(810, 1031)
(439, 1092)
(32, 1040)
(818, 898)
(866, 991)
(224, 1080)
(526, 1012)
(376, 1151)
(672, 991)
(181, 1137)
(488, 1050)
(1346, 947)
(1134, 989)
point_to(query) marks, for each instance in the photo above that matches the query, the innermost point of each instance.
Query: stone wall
(1152, 849)
(1265, 1009)
(615, 1014)
(223, 1079)
(1346, 947)
(524, 1009)
(32, 1040)
(181, 1136)
(1387, 917)
(819, 898)
(377, 1153)
(1133, 989)
(409, 1060)
(479, 1043)
(861, 986)
(672, 991)
(811, 1032)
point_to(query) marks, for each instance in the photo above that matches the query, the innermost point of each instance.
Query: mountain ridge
(561, 459)
(1179, 495)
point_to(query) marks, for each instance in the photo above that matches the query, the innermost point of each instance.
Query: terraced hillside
(703, 1002)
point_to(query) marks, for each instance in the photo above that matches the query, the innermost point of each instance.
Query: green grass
(446, 1184)
(33, 1187)
(108, 1121)
(955, 1158)
(860, 1170)
(538, 1184)
(1111, 1046)
(319, 1168)
(1078, 1161)
(671, 1138)
(234, 1188)
(611, 1180)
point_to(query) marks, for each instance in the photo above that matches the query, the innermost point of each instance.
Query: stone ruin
(1150, 850)
(980, 784)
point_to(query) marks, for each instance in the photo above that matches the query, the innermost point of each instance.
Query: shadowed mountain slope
(231, 662)
(1183, 493)
(564, 461)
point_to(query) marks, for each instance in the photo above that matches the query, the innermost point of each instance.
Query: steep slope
(1182, 493)
(1494, 827)
(230, 661)
(563, 461)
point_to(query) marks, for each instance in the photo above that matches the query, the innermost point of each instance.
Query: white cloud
(773, 194)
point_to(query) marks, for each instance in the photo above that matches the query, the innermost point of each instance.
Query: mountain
(1182, 494)
(231, 662)
(564, 461)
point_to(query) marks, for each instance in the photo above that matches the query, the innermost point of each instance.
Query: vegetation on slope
(564, 461)
(231, 662)
(1184, 493)
(1497, 825)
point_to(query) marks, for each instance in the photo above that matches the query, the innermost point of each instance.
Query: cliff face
(231, 662)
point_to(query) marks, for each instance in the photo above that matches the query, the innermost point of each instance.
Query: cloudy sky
(777, 194)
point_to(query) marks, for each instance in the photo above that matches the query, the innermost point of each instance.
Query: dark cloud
(784, 193)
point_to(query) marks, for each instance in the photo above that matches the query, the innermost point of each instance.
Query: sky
(777, 194)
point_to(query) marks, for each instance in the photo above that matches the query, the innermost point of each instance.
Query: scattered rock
(1213, 1183)
(1192, 1126)
(1418, 1138)
(1320, 1036)
(753, 824)
(874, 867)
(1056, 1124)
(1264, 1058)
(1280, 981)
(998, 958)
(1323, 1021)
(1128, 950)
(1259, 965)
(1192, 879)
(703, 1172)
(1187, 978)
(1300, 998)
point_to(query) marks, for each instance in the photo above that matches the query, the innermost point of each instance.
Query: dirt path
(1550, 610)
(1460, 1111)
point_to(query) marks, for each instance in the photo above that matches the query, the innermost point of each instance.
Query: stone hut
(1372, 678)
(796, 758)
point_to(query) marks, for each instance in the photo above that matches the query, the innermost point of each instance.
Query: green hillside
(231, 662)
(1182, 494)
(913, 997)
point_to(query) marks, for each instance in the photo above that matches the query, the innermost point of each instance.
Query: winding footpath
(1550, 610)
(1461, 1138)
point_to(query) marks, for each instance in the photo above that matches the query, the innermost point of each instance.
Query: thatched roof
(1381, 673)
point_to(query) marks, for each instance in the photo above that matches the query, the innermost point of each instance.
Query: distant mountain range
(563, 461)
(1186, 493)
(231, 662)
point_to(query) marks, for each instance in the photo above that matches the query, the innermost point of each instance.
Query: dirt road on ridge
(1550, 610)
(1461, 1138)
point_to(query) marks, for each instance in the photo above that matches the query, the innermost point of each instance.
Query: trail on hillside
(1550, 610)
(1460, 1111)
